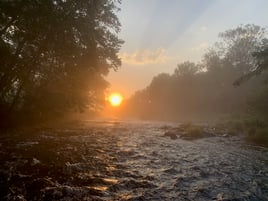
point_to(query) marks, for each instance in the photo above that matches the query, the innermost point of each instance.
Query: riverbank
(253, 132)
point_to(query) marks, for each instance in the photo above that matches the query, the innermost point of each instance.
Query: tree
(204, 91)
(258, 104)
(261, 65)
(54, 53)
(237, 46)
(186, 69)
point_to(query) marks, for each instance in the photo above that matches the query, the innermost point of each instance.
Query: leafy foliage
(55, 53)
(262, 64)
(204, 91)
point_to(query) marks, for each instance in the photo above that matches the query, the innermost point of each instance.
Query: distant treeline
(216, 87)
(54, 55)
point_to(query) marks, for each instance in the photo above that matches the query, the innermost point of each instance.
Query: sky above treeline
(159, 34)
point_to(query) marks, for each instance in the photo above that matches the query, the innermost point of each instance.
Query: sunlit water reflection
(130, 161)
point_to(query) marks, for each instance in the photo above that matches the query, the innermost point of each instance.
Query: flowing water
(130, 161)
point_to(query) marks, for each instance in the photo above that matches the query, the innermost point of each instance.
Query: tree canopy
(205, 90)
(55, 53)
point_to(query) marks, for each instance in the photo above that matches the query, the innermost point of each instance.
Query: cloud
(144, 57)
(202, 46)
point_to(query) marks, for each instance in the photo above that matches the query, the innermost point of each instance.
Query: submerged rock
(195, 134)
(172, 135)
(189, 132)
(35, 161)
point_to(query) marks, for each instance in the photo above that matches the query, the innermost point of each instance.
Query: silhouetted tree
(205, 90)
(237, 45)
(186, 69)
(54, 54)
(261, 65)
(258, 105)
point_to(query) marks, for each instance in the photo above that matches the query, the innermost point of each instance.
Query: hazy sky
(159, 34)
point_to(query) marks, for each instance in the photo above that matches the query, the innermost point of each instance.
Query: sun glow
(115, 99)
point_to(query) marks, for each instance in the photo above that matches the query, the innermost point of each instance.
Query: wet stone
(172, 135)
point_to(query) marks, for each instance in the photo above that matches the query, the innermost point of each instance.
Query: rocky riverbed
(130, 161)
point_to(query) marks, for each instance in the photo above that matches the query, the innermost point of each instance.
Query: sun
(115, 99)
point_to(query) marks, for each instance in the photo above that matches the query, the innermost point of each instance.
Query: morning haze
(133, 100)
(182, 30)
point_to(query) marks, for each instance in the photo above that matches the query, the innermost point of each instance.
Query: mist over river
(114, 160)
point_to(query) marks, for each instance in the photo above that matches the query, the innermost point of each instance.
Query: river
(112, 160)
